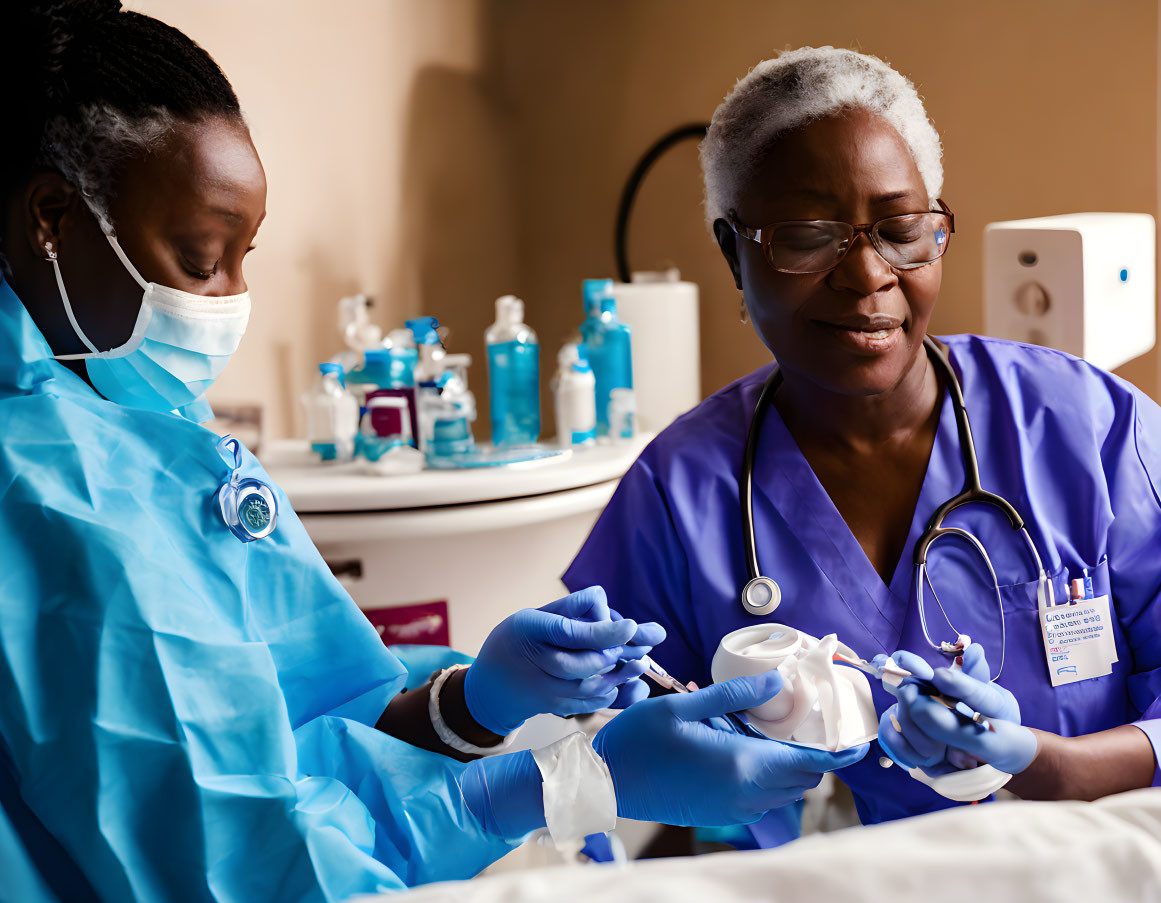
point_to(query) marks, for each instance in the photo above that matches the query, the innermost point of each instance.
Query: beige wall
(438, 153)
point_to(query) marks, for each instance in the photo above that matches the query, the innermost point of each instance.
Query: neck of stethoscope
(766, 401)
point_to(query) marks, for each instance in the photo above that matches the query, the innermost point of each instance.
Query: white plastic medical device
(820, 705)
(1081, 283)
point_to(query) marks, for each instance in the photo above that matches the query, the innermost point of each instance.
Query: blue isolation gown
(1076, 450)
(184, 716)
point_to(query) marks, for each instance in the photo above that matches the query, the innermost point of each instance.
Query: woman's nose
(862, 270)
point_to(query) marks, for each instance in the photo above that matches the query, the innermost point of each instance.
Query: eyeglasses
(815, 246)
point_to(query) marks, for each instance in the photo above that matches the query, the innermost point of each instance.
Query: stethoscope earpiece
(761, 596)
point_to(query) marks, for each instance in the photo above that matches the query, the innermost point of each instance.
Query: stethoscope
(762, 595)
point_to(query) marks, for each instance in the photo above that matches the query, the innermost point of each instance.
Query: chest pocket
(1082, 707)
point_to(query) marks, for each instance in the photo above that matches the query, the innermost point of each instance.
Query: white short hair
(798, 87)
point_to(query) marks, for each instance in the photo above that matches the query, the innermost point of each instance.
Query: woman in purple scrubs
(860, 448)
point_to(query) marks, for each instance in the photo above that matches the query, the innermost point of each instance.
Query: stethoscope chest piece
(248, 506)
(761, 596)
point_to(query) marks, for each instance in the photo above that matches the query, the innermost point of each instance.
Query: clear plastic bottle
(610, 353)
(513, 375)
(447, 411)
(332, 415)
(574, 397)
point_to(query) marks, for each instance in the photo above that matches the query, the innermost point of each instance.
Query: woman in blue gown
(191, 707)
(861, 447)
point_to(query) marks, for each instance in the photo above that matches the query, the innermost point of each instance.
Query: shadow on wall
(458, 208)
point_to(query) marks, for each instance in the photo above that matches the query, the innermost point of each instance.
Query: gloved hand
(669, 766)
(934, 738)
(570, 657)
(504, 793)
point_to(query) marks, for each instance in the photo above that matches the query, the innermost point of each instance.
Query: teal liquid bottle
(592, 291)
(513, 375)
(610, 353)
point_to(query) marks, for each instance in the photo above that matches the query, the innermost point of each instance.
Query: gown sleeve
(167, 749)
(635, 553)
(1134, 554)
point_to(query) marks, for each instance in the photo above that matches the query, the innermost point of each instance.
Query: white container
(573, 387)
(1081, 283)
(662, 313)
(332, 415)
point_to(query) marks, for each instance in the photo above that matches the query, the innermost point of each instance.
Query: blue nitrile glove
(669, 766)
(504, 793)
(935, 739)
(567, 658)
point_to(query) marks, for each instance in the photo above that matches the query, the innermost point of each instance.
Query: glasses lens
(807, 247)
(912, 240)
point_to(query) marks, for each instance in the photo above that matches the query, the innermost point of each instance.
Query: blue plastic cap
(593, 290)
(336, 369)
(1124, 274)
(424, 330)
(609, 305)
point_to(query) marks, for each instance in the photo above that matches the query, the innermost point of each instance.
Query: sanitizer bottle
(513, 375)
(592, 291)
(332, 415)
(609, 348)
(574, 397)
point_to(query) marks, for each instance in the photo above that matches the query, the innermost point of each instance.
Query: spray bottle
(513, 375)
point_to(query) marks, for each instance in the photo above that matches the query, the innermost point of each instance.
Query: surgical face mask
(179, 344)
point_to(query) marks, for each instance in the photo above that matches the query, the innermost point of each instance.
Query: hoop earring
(745, 312)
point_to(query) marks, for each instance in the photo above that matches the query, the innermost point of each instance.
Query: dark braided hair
(90, 85)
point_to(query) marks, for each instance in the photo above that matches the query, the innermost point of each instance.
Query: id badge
(1078, 640)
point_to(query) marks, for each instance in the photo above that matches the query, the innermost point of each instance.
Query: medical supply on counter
(248, 506)
(592, 291)
(761, 594)
(729, 779)
(574, 397)
(429, 346)
(355, 326)
(609, 345)
(332, 415)
(622, 414)
(513, 375)
(447, 409)
(389, 372)
(820, 705)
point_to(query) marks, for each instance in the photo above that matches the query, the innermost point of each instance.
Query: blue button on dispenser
(1124, 274)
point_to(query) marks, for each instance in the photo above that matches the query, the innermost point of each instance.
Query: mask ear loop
(68, 307)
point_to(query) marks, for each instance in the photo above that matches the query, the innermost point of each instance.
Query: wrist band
(446, 735)
(579, 798)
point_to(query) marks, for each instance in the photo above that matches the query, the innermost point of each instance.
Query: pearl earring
(51, 252)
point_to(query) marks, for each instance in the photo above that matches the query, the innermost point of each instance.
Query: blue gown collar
(26, 361)
(25, 356)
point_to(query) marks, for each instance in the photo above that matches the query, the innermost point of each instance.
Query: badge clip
(248, 506)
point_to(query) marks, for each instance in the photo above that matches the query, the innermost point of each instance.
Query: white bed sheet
(1015, 852)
